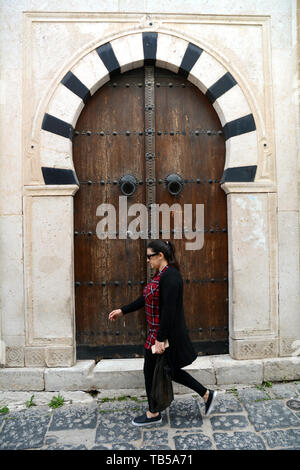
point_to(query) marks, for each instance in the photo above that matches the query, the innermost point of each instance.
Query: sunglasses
(152, 254)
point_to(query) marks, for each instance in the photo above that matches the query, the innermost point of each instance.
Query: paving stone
(100, 447)
(117, 427)
(197, 441)
(185, 414)
(17, 400)
(270, 414)
(228, 423)
(66, 447)
(283, 390)
(155, 447)
(238, 441)
(24, 429)
(123, 446)
(90, 426)
(2, 420)
(293, 404)
(288, 438)
(121, 405)
(161, 437)
(51, 443)
(74, 417)
(252, 394)
(73, 437)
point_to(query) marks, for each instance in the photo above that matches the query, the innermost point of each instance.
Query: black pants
(180, 376)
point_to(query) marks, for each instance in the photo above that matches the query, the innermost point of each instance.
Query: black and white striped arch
(162, 50)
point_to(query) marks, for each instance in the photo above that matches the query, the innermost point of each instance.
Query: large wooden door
(147, 124)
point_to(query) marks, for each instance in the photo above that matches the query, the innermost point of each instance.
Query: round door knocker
(128, 184)
(174, 184)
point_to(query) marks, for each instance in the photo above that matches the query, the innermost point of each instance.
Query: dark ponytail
(168, 250)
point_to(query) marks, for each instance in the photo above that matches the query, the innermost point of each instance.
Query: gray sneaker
(209, 404)
(144, 420)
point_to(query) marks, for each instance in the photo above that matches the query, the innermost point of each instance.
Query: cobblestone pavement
(244, 417)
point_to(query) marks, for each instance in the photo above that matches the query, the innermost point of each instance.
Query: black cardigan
(172, 324)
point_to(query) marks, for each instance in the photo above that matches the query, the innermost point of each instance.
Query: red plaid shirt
(151, 295)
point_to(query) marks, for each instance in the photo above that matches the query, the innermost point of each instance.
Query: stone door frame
(48, 199)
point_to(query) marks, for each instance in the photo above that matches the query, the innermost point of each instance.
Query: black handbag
(162, 389)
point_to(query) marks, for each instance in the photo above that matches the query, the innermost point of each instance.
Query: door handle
(174, 184)
(128, 184)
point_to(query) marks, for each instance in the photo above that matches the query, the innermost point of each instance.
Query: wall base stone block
(78, 377)
(202, 370)
(231, 371)
(279, 369)
(25, 379)
(123, 373)
(128, 374)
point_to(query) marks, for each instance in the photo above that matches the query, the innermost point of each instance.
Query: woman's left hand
(159, 347)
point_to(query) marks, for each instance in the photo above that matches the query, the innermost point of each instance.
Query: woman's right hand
(115, 314)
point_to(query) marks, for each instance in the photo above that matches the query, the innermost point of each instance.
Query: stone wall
(256, 41)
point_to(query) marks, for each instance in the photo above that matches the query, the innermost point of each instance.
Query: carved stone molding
(151, 21)
(253, 349)
(290, 346)
(15, 356)
(34, 357)
(59, 357)
(49, 356)
(52, 190)
(246, 187)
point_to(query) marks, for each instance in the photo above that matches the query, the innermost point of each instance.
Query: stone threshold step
(128, 374)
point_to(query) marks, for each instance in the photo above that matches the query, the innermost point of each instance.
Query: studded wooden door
(136, 131)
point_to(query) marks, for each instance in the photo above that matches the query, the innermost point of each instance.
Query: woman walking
(163, 301)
